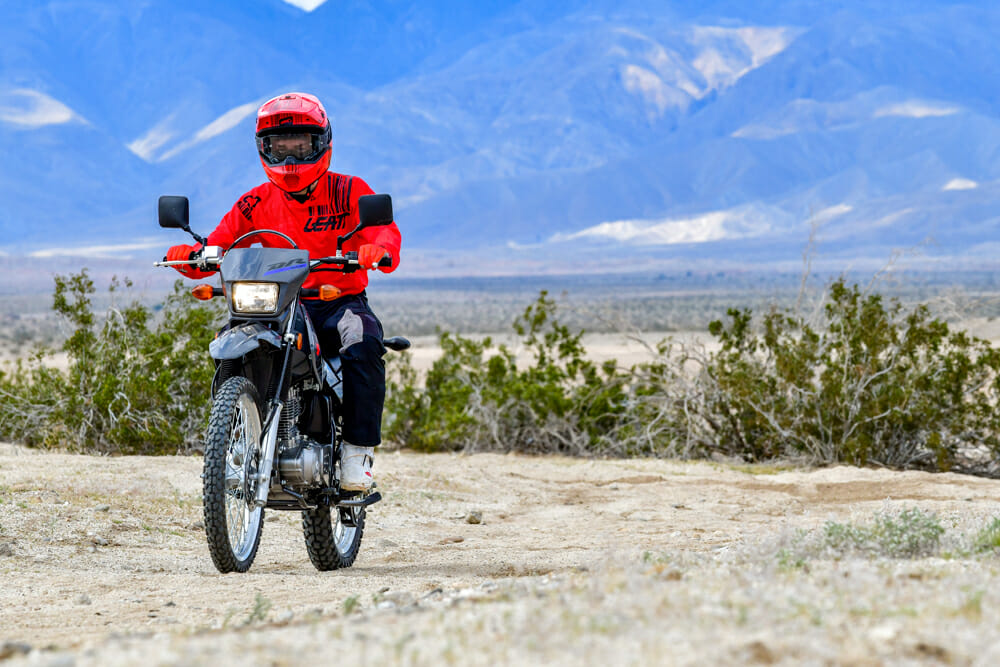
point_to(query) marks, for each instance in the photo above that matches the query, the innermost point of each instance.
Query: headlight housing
(255, 297)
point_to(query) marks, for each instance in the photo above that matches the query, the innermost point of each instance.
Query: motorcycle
(274, 435)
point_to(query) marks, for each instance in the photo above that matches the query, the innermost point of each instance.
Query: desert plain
(495, 558)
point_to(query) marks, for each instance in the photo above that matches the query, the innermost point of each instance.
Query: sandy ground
(103, 562)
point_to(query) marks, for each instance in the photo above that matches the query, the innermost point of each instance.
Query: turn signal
(202, 292)
(298, 342)
(328, 292)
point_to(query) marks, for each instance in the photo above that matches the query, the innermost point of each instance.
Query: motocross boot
(356, 467)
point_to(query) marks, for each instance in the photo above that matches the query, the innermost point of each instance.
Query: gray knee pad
(351, 329)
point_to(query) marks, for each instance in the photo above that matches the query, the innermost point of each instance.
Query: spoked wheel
(333, 536)
(232, 459)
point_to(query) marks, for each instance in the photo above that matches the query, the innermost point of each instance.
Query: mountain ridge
(517, 128)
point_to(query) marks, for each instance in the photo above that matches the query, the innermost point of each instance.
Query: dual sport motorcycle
(274, 435)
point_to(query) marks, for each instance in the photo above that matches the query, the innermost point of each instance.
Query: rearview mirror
(173, 212)
(375, 210)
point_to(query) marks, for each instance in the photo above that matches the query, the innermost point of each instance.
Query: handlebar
(349, 261)
(199, 262)
(210, 258)
(207, 259)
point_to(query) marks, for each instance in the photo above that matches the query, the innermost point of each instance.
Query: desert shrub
(988, 539)
(891, 533)
(861, 381)
(132, 385)
(472, 400)
(871, 382)
(909, 533)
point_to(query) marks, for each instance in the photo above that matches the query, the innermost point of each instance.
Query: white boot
(356, 467)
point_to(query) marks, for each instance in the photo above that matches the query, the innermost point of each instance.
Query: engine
(304, 464)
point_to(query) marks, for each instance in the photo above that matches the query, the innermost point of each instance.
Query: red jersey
(331, 210)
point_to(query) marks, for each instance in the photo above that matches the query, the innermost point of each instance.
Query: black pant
(348, 327)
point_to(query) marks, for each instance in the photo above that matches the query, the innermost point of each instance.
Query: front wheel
(232, 459)
(333, 537)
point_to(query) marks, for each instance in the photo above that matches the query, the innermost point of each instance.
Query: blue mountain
(521, 133)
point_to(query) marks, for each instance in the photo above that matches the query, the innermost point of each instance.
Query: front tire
(332, 544)
(232, 458)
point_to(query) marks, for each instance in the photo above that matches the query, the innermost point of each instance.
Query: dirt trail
(96, 550)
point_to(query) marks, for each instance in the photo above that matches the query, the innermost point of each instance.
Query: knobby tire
(225, 408)
(319, 530)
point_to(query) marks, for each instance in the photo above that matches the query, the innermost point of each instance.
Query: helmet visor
(300, 146)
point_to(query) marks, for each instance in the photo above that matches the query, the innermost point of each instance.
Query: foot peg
(397, 343)
(370, 499)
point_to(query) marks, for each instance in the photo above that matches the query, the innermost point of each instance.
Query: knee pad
(351, 330)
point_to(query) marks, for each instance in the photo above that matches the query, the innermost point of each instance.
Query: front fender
(238, 341)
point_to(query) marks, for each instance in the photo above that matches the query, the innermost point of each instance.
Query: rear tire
(232, 458)
(332, 544)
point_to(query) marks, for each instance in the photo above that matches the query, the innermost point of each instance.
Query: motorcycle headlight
(255, 297)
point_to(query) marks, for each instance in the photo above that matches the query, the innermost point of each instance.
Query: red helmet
(293, 139)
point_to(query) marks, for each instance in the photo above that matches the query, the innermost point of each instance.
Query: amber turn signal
(203, 292)
(328, 292)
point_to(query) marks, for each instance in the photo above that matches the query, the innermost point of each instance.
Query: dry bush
(856, 378)
(132, 386)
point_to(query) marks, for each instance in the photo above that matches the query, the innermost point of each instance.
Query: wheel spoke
(241, 519)
(232, 522)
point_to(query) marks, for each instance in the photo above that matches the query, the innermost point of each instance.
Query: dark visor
(300, 144)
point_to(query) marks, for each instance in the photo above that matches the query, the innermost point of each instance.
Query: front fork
(269, 437)
(269, 446)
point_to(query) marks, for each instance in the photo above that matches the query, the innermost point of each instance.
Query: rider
(312, 205)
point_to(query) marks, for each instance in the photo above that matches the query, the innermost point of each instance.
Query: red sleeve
(227, 231)
(234, 224)
(387, 236)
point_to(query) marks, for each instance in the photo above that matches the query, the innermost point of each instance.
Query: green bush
(561, 402)
(132, 386)
(873, 384)
(910, 533)
(867, 382)
(988, 539)
(891, 533)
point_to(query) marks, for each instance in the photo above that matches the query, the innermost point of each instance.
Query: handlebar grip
(386, 261)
